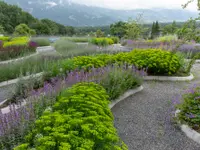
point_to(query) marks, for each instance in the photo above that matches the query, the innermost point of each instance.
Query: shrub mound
(190, 109)
(102, 41)
(80, 119)
(157, 61)
(41, 41)
(15, 47)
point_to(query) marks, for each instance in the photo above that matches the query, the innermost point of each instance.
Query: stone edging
(125, 95)
(168, 78)
(13, 60)
(197, 60)
(190, 133)
(14, 81)
(45, 49)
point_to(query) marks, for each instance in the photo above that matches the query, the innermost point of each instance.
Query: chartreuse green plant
(190, 108)
(157, 61)
(79, 120)
(102, 41)
(4, 38)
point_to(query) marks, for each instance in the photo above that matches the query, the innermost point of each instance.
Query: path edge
(125, 95)
(189, 132)
(168, 78)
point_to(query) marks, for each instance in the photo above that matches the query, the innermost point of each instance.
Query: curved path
(143, 120)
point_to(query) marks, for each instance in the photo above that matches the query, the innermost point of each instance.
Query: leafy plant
(79, 119)
(118, 80)
(41, 41)
(190, 108)
(102, 41)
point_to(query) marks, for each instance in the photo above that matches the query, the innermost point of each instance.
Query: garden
(128, 87)
(67, 106)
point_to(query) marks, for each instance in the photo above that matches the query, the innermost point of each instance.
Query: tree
(133, 29)
(170, 29)
(118, 29)
(23, 29)
(41, 28)
(99, 33)
(189, 31)
(52, 25)
(70, 31)
(1, 29)
(157, 29)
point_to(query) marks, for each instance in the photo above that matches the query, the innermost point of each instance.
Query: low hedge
(156, 61)
(41, 41)
(102, 41)
(190, 108)
(79, 120)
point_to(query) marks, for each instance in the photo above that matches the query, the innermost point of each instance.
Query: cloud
(133, 4)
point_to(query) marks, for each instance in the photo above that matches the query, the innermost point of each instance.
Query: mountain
(68, 13)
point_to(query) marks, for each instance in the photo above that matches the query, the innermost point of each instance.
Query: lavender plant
(20, 120)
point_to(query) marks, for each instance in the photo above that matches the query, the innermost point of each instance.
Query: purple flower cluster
(15, 124)
(154, 44)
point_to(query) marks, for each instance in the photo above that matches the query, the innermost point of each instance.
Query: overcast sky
(132, 4)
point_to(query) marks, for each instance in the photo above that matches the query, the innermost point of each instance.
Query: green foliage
(80, 119)
(102, 41)
(23, 41)
(118, 29)
(1, 29)
(189, 109)
(155, 31)
(24, 30)
(117, 81)
(157, 62)
(170, 29)
(4, 38)
(68, 48)
(78, 39)
(167, 38)
(41, 41)
(133, 29)
(115, 39)
(99, 33)
(189, 31)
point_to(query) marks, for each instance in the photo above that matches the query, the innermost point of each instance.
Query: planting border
(21, 58)
(168, 78)
(126, 95)
(190, 133)
(111, 105)
(14, 81)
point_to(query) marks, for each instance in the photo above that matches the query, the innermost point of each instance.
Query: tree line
(14, 20)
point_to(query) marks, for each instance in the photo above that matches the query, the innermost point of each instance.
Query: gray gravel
(143, 120)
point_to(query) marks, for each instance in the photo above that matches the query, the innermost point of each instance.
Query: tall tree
(118, 29)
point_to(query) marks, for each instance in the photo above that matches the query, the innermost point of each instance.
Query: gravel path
(143, 120)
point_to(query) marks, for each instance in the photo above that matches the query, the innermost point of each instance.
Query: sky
(133, 4)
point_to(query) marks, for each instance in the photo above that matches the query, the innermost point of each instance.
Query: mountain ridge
(74, 14)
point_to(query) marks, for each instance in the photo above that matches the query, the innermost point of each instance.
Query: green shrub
(41, 41)
(80, 119)
(115, 39)
(157, 61)
(4, 38)
(118, 80)
(79, 39)
(190, 109)
(102, 41)
(167, 38)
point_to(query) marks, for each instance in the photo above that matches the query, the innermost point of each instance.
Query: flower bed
(190, 109)
(20, 121)
(15, 47)
(80, 118)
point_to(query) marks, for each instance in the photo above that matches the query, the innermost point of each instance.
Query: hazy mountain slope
(67, 13)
